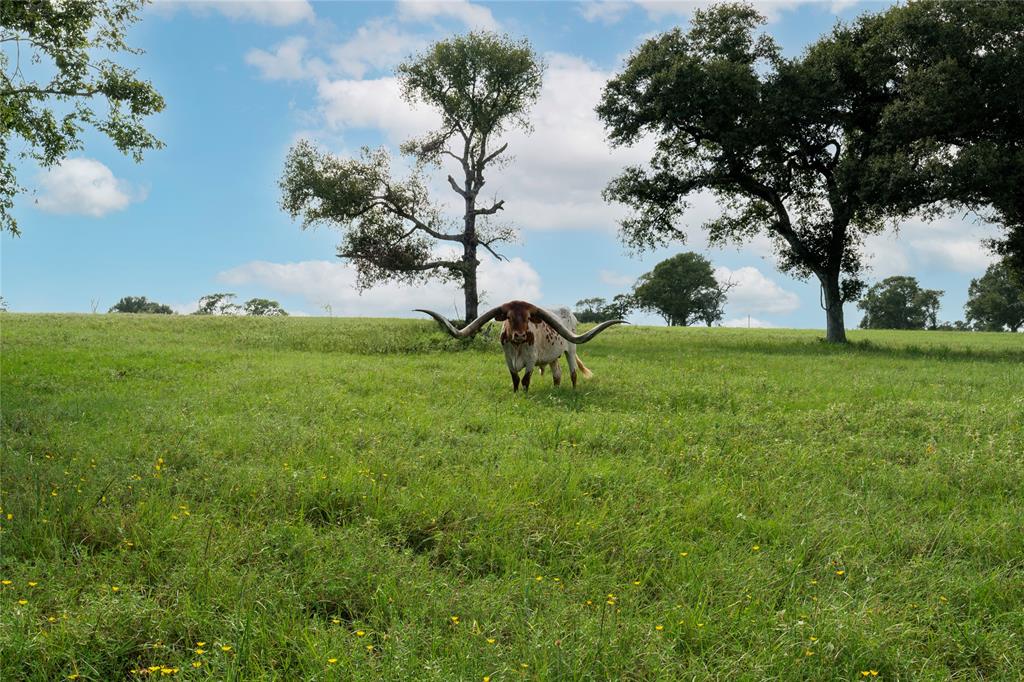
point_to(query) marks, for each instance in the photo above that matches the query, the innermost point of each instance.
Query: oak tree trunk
(469, 282)
(835, 328)
(469, 255)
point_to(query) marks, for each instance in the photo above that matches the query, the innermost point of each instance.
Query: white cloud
(375, 104)
(948, 244)
(616, 279)
(271, 12)
(960, 255)
(286, 62)
(86, 187)
(608, 12)
(322, 282)
(751, 322)
(473, 16)
(755, 293)
(377, 44)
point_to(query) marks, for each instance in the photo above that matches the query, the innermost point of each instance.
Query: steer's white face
(541, 346)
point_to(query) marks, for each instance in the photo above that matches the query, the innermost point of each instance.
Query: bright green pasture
(364, 499)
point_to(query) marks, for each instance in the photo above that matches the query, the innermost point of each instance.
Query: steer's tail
(583, 368)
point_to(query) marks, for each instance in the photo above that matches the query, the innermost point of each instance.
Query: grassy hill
(321, 499)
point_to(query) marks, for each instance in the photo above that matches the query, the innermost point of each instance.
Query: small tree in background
(483, 85)
(140, 304)
(899, 303)
(263, 307)
(597, 309)
(996, 301)
(68, 43)
(683, 290)
(217, 304)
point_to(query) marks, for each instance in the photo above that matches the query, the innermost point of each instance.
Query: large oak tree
(483, 85)
(822, 150)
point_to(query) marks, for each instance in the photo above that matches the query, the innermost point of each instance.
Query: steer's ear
(501, 315)
(534, 317)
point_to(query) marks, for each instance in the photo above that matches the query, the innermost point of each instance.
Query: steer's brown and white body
(532, 337)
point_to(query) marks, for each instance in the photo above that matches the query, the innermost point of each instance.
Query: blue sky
(244, 80)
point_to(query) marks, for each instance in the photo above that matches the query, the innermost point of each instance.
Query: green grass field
(322, 499)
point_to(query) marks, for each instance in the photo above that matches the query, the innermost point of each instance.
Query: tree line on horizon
(912, 111)
(683, 290)
(211, 304)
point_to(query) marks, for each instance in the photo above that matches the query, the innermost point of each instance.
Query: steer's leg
(513, 370)
(570, 357)
(556, 372)
(530, 362)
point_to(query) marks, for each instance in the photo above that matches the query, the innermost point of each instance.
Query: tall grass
(367, 499)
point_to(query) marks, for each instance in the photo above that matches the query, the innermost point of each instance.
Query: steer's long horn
(467, 331)
(557, 325)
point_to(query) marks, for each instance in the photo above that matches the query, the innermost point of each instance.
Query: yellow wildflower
(840, 572)
(197, 664)
(32, 583)
(23, 601)
(332, 661)
(490, 640)
(5, 582)
(808, 653)
(360, 633)
(225, 647)
(756, 548)
(659, 628)
(200, 651)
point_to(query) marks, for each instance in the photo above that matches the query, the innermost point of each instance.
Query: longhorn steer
(532, 336)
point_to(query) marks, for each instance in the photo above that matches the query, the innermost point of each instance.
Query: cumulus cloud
(659, 9)
(946, 244)
(556, 172)
(286, 62)
(471, 15)
(751, 322)
(377, 44)
(615, 279)
(271, 12)
(322, 282)
(755, 293)
(605, 11)
(84, 187)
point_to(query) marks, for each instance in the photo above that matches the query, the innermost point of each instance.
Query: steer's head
(517, 316)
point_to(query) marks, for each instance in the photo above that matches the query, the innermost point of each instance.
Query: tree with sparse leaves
(899, 303)
(263, 307)
(995, 301)
(682, 290)
(140, 304)
(483, 85)
(823, 150)
(217, 304)
(58, 79)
